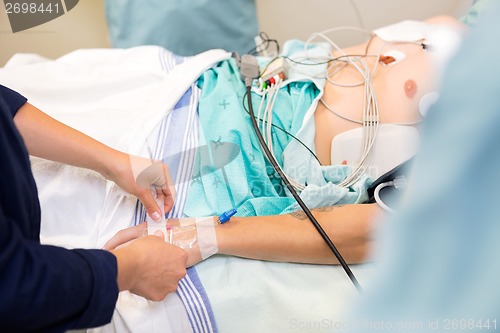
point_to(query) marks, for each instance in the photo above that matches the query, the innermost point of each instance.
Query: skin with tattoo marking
(300, 215)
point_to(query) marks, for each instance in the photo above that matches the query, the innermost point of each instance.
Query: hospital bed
(106, 94)
(144, 101)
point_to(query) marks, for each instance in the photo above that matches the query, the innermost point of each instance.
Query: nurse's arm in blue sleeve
(50, 139)
(49, 288)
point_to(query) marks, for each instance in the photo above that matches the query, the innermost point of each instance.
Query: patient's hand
(125, 236)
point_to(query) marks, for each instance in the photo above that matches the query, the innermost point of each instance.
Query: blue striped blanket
(175, 141)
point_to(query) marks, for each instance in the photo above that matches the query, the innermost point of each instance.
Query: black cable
(266, 42)
(284, 131)
(326, 61)
(302, 205)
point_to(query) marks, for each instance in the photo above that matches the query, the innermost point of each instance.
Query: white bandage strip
(207, 239)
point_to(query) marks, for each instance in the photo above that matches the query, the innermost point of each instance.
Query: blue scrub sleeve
(438, 256)
(42, 288)
(476, 11)
(13, 99)
(49, 288)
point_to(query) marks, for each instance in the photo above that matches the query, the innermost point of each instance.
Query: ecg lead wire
(294, 193)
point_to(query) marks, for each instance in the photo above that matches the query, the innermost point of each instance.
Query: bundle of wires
(251, 72)
(370, 119)
(370, 114)
(264, 120)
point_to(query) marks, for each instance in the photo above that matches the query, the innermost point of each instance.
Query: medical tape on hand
(207, 239)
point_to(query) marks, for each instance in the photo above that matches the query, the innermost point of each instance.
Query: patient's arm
(50, 139)
(287, 238)
(293, 238)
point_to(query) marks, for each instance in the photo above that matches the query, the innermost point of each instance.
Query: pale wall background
(82, 27)
(85, 25)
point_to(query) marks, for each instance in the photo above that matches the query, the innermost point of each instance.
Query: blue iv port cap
(226, 216)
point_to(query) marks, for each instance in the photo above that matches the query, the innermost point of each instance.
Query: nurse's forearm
(50, 139)
(293, 238)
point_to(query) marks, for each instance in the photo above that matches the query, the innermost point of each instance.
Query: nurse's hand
(125, 236)
(50, 139)
(145, 179)
(149, 267)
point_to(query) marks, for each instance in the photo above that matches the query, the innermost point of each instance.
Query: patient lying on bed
(401, 81)
(125, 99)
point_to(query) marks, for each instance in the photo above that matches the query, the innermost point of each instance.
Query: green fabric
(248, 182)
